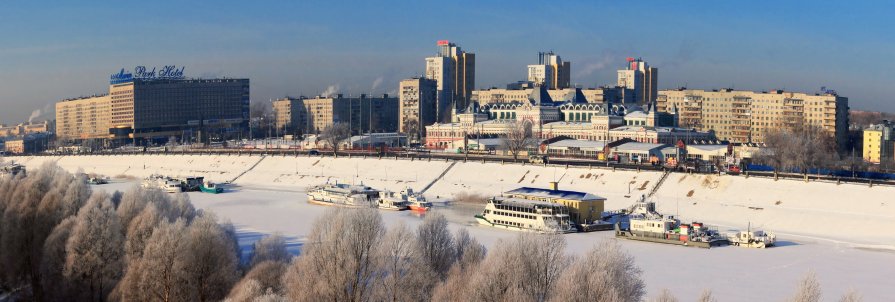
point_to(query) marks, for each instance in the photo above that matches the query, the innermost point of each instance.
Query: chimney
(554, 185)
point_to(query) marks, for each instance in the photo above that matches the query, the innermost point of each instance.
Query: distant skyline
(51, 52)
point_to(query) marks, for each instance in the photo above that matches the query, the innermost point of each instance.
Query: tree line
(61, 241)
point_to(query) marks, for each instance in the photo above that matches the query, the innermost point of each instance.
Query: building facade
(26, 128)
(744, 116)
(417, 106)
(362, 114)
(200, 109)
(156, 104)
(642, 79)
(551, 71)
(84, 118)
(548, 119)
(614, 95)
(879, 143)
(454, 71)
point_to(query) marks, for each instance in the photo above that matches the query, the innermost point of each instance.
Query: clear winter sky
(51, 51)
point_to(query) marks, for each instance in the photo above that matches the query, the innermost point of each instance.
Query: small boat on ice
(211, 187)
(416, 201)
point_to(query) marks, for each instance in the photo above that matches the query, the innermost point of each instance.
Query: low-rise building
(25, 128)
(584, 208)
(637, 152)
(879, 142)
(708, 152)
(26, 145)
(576, 148)
(375, 140)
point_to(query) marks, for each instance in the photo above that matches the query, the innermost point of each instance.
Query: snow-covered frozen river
(732, 273)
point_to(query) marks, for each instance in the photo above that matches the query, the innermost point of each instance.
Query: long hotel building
(744, 116)
(138, 108)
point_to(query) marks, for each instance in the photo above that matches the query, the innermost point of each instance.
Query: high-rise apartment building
(640, 78)
(745, 116)
(454, 71)
(551, 71)
(417, 101)
(84, 118)
(362, 114)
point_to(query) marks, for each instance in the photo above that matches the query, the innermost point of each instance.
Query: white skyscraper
(550, 71)
(454, 70)
(641, 78)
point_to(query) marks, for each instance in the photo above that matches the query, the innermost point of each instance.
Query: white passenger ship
(525, 215)
(343, 195)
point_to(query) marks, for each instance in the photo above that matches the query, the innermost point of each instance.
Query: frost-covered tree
(138, 232)
(270, 248)
(159, 275)
(338, 261)
(399, 279)
(31, 208)
(495, 277)
(264, 277)
(56, 286)
(605, 273)
(706, 296)
(230, 232)
(435, 244)
(253, 291)
(808, 290)
(851, 296)
(526, 268)
(210, 265)
(665, 296)
(468, 250)
(95, 248)
(134, 201)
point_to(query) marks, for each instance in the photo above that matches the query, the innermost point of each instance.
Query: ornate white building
(574, 119)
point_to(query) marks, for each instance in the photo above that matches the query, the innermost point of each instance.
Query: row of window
(511, 223)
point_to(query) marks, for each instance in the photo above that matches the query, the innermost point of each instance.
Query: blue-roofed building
(583, 207)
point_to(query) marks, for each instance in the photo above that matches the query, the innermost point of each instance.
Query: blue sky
(50, 51)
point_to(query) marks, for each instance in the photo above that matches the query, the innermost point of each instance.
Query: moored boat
(390, 200)
(211, 187)
(344, 195)
(525, 215)
(645, 224)
(416, 201)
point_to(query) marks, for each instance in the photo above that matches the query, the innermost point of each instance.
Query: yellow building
(583, 207)
(744, 116)
(84, 118)
(878, 143)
